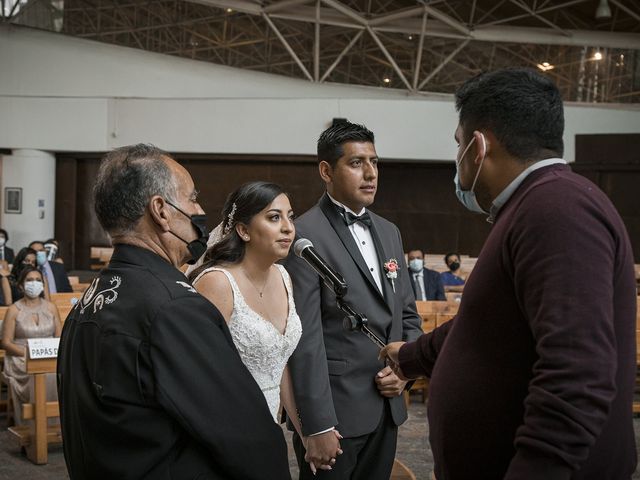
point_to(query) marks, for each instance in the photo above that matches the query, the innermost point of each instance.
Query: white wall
(35, 172)
(60, 93)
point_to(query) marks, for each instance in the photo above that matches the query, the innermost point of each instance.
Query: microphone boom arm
(357, 322)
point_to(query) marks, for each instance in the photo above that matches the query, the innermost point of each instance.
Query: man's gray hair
(128, 178)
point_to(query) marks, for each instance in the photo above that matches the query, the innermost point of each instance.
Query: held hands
(390, 354)
(322, 450)
(388, 383)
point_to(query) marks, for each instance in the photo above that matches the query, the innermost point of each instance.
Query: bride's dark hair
(241, 206)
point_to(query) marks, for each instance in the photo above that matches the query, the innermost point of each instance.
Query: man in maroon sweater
(534, 377)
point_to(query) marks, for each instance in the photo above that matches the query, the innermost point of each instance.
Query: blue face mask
(416, 265)
(468, 197)
(41, 258)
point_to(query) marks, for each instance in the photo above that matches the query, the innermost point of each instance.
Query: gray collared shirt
(505, 194)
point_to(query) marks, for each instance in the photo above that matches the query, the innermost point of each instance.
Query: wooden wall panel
(65, 211)
(613, 163)
(608, 149)
(418, 197)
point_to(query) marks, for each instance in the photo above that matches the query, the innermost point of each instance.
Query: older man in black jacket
(150, 384)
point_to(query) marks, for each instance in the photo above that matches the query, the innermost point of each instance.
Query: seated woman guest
(454, 277)
(254, 294)
(29, 317)
(26, 257)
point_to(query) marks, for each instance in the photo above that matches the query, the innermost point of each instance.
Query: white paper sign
(43, 347)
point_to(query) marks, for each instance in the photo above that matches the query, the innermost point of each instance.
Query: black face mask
(453, 266)
(197, 247)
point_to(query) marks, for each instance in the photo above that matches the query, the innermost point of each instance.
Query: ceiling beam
(274, 7)
(442, 26)
(389, 57)
(443, 64)
(418, 62)
(287, 47)
(626, 9)
(342, 54)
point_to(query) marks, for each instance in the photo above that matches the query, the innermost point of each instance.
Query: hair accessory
(227, 228)
(214, 237)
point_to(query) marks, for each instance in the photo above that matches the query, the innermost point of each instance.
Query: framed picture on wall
(12, 200)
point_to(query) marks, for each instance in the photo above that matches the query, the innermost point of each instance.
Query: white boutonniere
(391, 268)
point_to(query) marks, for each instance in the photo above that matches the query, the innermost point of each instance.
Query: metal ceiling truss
(420, 46)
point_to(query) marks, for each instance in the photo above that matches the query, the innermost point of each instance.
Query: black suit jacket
(333, 370)
(61, 278)
(433, 287)
(152, 387)
(8, 254)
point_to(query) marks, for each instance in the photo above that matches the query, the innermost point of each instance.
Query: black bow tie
(350, 218)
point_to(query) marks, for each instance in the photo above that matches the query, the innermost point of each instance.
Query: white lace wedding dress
(263, 349)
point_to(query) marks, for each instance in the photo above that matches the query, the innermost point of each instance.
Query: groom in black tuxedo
(338, 380)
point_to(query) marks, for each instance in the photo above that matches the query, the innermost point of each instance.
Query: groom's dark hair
(331, 140)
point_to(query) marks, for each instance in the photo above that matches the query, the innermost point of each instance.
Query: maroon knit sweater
(534, 377)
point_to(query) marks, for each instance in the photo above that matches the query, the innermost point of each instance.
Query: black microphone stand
(356, 321)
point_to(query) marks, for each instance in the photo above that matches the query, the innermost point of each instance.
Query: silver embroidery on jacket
(99, 299)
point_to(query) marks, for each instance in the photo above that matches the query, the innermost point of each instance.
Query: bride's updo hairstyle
(241, 206)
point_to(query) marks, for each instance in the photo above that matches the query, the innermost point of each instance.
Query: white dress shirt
(362, 236)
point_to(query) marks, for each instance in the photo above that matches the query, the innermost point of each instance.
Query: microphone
(303, 248)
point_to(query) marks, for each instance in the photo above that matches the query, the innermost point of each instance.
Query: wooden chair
(99, 257)
(65, 299)
(79, 288)
(37, 437)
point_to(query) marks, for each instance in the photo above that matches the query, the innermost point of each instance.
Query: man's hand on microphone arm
(390, 354)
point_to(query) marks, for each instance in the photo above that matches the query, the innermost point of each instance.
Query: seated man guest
(426, 284)
(54, 273)
(52, 246)
(6, 253)
(454, 276)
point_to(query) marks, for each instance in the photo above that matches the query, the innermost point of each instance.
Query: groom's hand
(388, 383)
(322, 450)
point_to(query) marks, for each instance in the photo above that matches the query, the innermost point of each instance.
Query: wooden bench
(77, 287)
(66, 299)
(99, 257)
(65, 302)
(37, 437)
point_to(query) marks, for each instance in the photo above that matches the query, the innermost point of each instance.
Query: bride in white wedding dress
(254, 294)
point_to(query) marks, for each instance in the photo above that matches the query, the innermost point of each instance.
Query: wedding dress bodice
(263, 349)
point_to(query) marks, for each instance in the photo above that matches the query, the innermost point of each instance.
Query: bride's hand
(322, 450)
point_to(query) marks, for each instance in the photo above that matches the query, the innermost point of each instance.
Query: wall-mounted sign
(13, 200)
